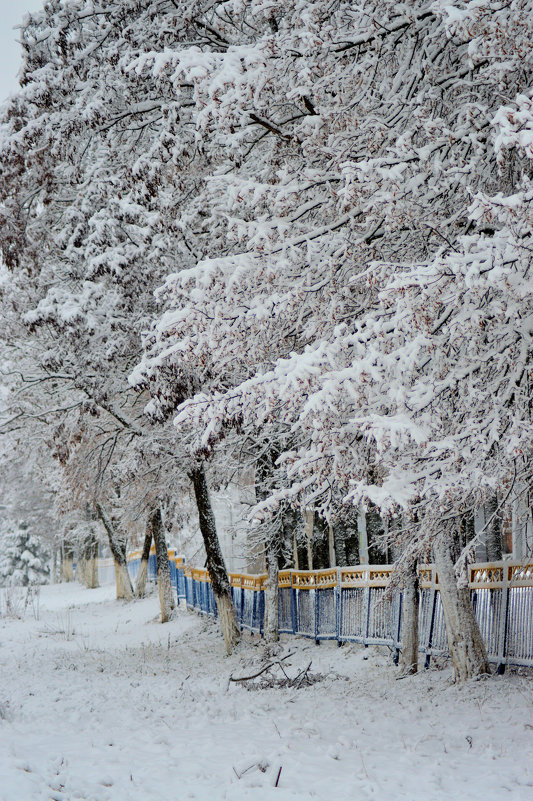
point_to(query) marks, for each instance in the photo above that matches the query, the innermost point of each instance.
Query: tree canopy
(333, 204)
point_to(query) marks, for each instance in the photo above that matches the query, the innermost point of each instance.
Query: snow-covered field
(99, 701)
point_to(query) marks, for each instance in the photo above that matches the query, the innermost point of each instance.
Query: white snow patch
(99, 701)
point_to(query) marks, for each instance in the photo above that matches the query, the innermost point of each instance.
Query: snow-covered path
(100, 702)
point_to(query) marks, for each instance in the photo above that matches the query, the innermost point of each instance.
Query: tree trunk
(67, 562)
(80, 567)
(54, 566)
(142, 575)
(90, 566)
(375, 535)
(118, 549)
(331, 546)
(340, 545)
(493, 537)
(280, 542)
(215, 561)
(309, 523)
(271, 627)
(295, 552)
(363, 537)
(464, 638)
(164, 581)
(410, 603)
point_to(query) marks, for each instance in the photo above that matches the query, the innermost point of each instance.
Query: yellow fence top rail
(482, 575)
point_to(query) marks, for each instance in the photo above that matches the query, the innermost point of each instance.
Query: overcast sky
(11, 13)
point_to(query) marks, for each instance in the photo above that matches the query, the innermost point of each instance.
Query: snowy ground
(100, 702)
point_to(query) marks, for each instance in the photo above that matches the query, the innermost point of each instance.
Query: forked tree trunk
(142, 575)
(164, 581)
(215, 561)
(410, 604)
(464, 638)
(118, 549)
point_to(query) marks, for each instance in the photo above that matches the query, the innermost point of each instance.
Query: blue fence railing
(351, 604)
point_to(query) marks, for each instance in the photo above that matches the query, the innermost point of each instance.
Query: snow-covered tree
(24, 558)
(336, 202)
(89, 224)
(376, 297)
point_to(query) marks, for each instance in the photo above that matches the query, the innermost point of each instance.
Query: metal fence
(350, 604)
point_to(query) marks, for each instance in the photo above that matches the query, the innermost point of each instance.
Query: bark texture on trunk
(142, 575)
(410, 604)
(215, 560)
(164, 582)
(123, 582)
(91, 573)
(118, 549)
(464, 638)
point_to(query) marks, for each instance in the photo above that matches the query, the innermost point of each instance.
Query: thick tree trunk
(464, 638)
(410, 603)
(142, 575)
(122, 577)
(215, 561)
(164, 581)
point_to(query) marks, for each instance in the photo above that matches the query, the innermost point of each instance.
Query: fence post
(503, 627)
